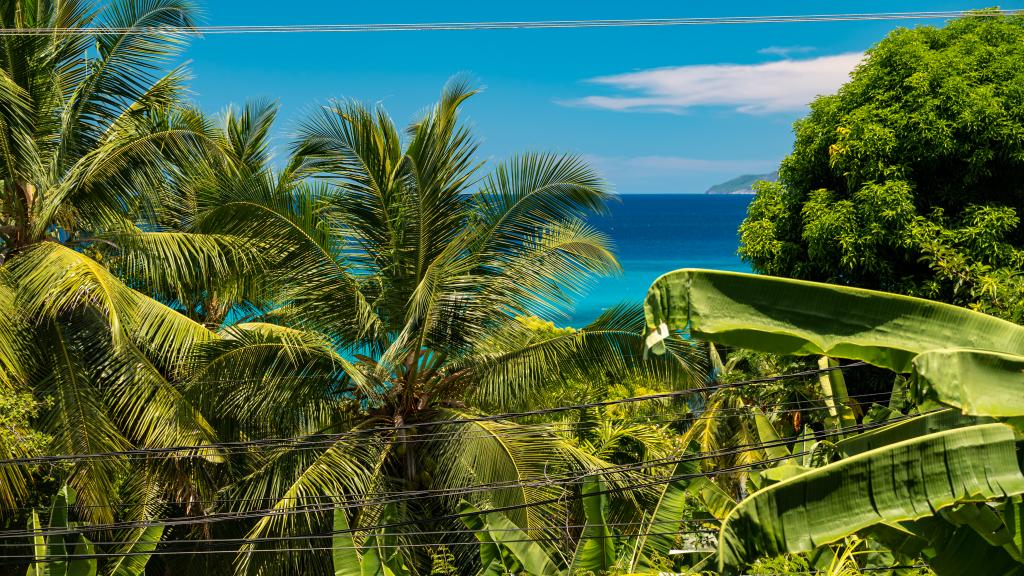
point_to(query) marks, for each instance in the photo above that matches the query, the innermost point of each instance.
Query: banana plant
(931, 485)
(65, 552)
(52, 552)
(379, 556)
(507, 549)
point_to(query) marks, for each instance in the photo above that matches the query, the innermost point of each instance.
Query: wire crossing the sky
(505, 25)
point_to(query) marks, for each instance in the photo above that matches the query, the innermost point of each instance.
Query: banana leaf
(134, 562)
(768, 435)
(833, 388)
(504, 533)
(797, 317)
(38, 546)
(977, 382)
(490, 552)
(907, 429)
(949, 549)
(596, 549)
(343, 548)
(658, 538)
(52, 551)
(900, 482)
(717, 501)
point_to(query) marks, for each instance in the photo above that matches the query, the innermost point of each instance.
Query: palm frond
(533, 192)
(503, 453)
(79, 423)
(298, 376)
(53, 280)
(519, 361)
(128, 64)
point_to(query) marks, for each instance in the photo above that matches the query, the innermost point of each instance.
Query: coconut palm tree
(404, 297)
(92, 131)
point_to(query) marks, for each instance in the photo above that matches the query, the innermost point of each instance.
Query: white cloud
(749, 88)
(785, 51)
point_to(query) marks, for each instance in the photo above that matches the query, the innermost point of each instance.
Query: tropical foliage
(921, 483)
(214, 359)
(908, 179)
(92, 131)
(406, 298)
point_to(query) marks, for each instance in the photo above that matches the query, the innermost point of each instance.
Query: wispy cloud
(785, 51)
(748, 88)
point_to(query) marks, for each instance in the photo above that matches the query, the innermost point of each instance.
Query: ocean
(658, 233)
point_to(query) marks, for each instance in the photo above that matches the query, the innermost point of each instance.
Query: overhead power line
(565, 480)
(508, 25)
(534, 431)
(326, 439)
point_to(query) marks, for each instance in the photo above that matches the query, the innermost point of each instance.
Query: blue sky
(658, 110)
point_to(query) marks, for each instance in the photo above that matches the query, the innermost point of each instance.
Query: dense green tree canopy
(911, 177)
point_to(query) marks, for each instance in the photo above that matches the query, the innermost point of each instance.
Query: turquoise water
(657, 233)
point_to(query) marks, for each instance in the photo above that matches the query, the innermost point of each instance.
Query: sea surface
(658, 233)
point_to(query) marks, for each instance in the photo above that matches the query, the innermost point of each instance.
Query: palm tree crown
(405, 286)
(91, 132)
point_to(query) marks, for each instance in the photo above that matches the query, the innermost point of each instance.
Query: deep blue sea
(658, 233)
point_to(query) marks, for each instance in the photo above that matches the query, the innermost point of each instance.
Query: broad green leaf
(785, 472)
(985, 521)
(371, 563)
(58, 547)
(38, 546)
(490, 552)
(1013, 520)
(532, 556)
(343, 548)
(596, 549)
(833, 387)
(666, 516)
(493, 568)
(718, 502)
(903, 481)
(787, 316)
(878, 414)
(949, 549)
(388, 548)
(805, 446)
(768, 435)
(906, 430)
(82, 566)
(134, 563)
(977, 382)
(64, 499)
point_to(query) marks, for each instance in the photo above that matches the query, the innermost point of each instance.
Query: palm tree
(402, 299)
(92, 131)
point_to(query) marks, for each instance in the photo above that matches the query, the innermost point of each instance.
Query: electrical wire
(97, 555)
(542, 429)
(502, 25)
(327, 507)
(716, 414)
(536, 430)
(534, 528)
(332, 438)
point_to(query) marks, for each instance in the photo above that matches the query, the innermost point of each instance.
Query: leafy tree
(92, 131)
(911, 178)
(398, 302)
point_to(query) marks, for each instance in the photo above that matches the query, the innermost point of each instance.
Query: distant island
(742, 184)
